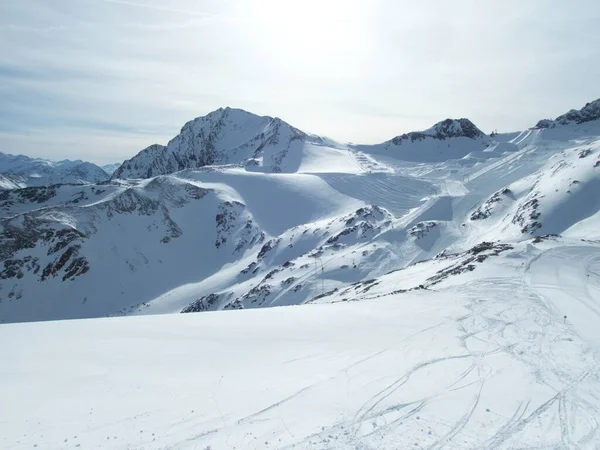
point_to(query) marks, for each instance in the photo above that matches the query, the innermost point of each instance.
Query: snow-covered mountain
(21, 171)
(236, 137)
(11, 182)
(223, 137)
(449, 139)
(110, 168)
(450, 284)
(236, 235)
(589, 113)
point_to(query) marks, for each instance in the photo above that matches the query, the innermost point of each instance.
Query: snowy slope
(40, 172)
(11, 182)
(191, 227)
(482, 359)
(550, 201)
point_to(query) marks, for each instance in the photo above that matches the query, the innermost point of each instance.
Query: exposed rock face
(487, 209)
(145, 164)
(61, 244)
(421, 229)
(225, 136)
(341, 232)
(590, 112)
(449, 128)
(53, 236)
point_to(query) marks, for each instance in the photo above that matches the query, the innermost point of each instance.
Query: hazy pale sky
(102, 79)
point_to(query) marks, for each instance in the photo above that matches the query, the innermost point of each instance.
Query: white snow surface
(482, 360)
(449, 283)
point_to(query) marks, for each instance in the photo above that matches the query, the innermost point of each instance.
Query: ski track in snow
(391, 380)
(395, 193)
(568, 278)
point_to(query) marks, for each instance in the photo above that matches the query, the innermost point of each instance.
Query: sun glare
(311, 28)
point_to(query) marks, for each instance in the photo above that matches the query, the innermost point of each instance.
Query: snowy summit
(225, 136)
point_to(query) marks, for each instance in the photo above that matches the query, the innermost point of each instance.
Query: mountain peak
(589, 113)
(451, 128)
(446, 129)
(229, 111)
(224, 136)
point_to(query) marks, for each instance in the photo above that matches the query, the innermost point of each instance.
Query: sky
(102, 79)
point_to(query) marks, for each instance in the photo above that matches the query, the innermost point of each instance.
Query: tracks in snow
(396, 193)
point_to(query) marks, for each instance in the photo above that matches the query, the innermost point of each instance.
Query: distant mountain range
(110, 168)
(267, 144)
(22, 171)
(258, 143)
(225, 136)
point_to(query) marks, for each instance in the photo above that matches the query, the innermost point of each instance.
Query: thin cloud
(26, 29)
(104, 72)
(161, 8)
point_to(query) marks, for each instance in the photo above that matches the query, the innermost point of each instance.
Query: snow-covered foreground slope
(17, 171)
(482, 359)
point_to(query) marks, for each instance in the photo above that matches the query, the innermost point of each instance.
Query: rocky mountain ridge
(589, 113)
(446, 129)
(222, 137)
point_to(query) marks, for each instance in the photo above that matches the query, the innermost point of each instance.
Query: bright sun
(315, 28)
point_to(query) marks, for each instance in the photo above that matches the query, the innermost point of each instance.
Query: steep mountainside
(147, 238)
(11, 182)
(225, 136)
(25, 171)
(550, 201)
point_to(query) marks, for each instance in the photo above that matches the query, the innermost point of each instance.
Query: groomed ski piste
(462, 312)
